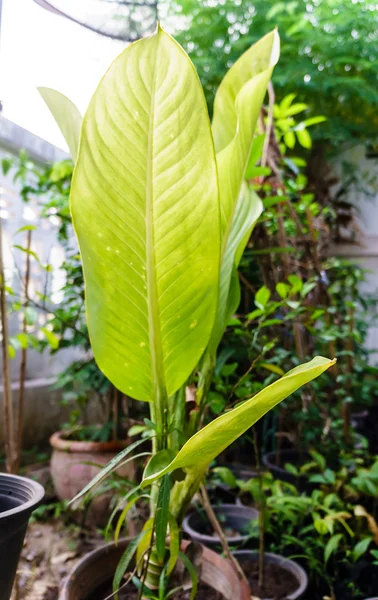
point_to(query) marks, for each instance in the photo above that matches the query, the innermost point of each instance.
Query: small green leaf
(226, 475)
(282, 289)
(361, 548)
(11, 351)
(262, 297)
(26, 228)
(27, 251)
(52, 339)
(332, 546)
(158, 462)
(162, 515)
(304, 138)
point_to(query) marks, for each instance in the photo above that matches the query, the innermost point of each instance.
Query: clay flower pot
(73, 465)
(19, 496)
(231, 516)
(98, 567)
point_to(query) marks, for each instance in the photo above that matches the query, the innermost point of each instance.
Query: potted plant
(82, 446)
(162, 213)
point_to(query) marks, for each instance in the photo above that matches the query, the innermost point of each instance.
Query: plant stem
(21, 398)
(262, 508)
(218, 529)
(177, 418)
(9, 430)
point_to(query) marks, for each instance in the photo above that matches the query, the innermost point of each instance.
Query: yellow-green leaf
(207, 443)
(66, 115)
(145, 208)
(237, 107)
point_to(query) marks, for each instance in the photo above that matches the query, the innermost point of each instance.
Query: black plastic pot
(231, 516)
(293, 457)
(19, 496)
(285, 563)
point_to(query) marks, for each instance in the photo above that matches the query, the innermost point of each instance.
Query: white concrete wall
(365, 250)
(43, 411)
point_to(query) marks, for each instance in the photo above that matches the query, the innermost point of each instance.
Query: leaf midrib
(156, 350)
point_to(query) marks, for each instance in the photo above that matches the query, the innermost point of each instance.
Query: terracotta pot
(73, 466)
(234, 516)
(281, 561)
(98, 567)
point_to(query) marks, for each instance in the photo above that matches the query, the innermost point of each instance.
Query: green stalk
(177, 404)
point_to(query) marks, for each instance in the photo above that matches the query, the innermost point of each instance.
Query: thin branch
(24, 350)
(218, 529)
(9, 431)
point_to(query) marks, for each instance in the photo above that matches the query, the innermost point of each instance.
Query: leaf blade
(147, 132)
(207, 443)
(66, 115)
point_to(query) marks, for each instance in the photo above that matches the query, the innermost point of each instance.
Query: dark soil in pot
(234, 519)
(204, 592)
(283, 578)
(93, 574)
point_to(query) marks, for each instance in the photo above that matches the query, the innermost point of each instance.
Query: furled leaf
(66, 115)
(237, 107)
(248, 210)
(207, 443)
(145, 208)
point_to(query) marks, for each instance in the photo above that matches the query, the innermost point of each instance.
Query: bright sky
(39, 48)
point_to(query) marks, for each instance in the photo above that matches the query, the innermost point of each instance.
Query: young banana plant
(163, 213)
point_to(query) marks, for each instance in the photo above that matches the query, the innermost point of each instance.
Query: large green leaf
(67, 116)
(237, 107)
(207, 443)
(248, 210)
(145, 208)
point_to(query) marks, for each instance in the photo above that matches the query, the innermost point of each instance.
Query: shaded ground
(49, 553)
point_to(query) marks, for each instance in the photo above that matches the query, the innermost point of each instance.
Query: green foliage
(328, 53)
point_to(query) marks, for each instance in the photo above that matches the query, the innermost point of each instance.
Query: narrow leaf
(66, 115)
(144, 543)
(105, 472)
(192, 572)
(126, 559)
(248, 210)
(207, 443)
(237, 107)
(174, 543)
(162, 514)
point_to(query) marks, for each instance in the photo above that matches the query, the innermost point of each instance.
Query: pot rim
(58, 441)
(226, 509)
(297, 570)
(106, 548)
(37, 495)
(268, 462)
